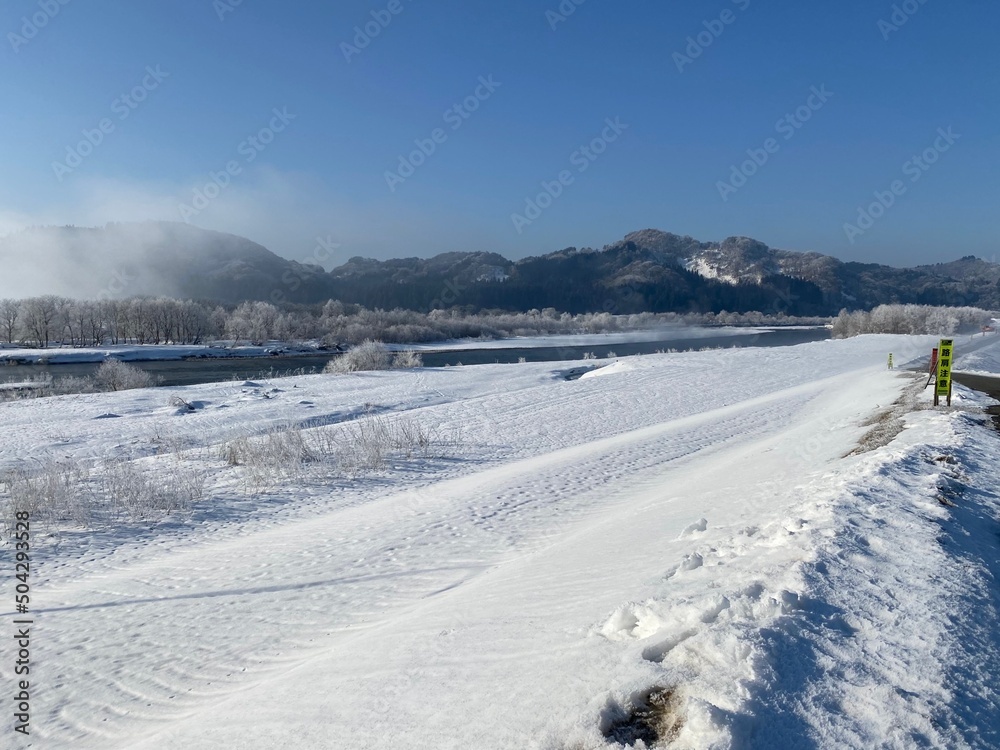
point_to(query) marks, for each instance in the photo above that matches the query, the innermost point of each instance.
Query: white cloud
(285, 212)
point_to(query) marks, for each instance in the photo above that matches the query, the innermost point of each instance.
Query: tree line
(41, 322)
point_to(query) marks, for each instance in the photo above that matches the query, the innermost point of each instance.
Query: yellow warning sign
(944, 366)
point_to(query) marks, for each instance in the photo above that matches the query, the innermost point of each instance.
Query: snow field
(684, 521)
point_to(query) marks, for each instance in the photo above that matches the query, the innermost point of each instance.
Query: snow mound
(619, 366)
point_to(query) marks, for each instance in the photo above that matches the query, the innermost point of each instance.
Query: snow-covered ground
(686, 530)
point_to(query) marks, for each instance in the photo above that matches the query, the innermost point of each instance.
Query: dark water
(194, 371)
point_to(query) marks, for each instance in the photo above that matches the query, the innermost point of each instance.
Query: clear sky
(316, 118)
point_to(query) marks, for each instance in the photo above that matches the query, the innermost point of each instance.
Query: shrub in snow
(56, 492)
(407, 360)
(277, 450)
(67, 493)
(182, 405)
(72, 384)
(350, 449)
(140, 494)
(368, 355)
(267, 459)
(39, 386)
(114, 375)
(367, 445)
(373, 355)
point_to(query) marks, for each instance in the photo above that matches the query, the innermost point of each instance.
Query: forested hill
(648, 270)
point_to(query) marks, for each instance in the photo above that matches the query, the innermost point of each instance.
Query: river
(195, 371)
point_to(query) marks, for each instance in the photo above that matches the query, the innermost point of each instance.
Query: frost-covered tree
(10, 314)
(911, 319)
(253, 321)
(40, 319)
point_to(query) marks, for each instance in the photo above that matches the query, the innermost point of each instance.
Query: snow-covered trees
(41, 321)
(848, 324)
(912, 319)
(894, 319)
(253, 322)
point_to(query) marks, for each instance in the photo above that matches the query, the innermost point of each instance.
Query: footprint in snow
(695, 528)
(658, 652)
(690, 562)
(632, 621)
(718, 606)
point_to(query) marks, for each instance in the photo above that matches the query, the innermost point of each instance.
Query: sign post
(943, 384)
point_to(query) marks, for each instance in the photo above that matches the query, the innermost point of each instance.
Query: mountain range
(649, 270)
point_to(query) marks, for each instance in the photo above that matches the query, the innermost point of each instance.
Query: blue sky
(698, 89)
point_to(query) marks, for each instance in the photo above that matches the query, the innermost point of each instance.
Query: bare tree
(97, 318)
(140, 322)
(40, 314)
(77, 315)
(193, 322)
(10, 312)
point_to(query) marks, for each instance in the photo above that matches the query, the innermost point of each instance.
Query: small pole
(931, 372)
